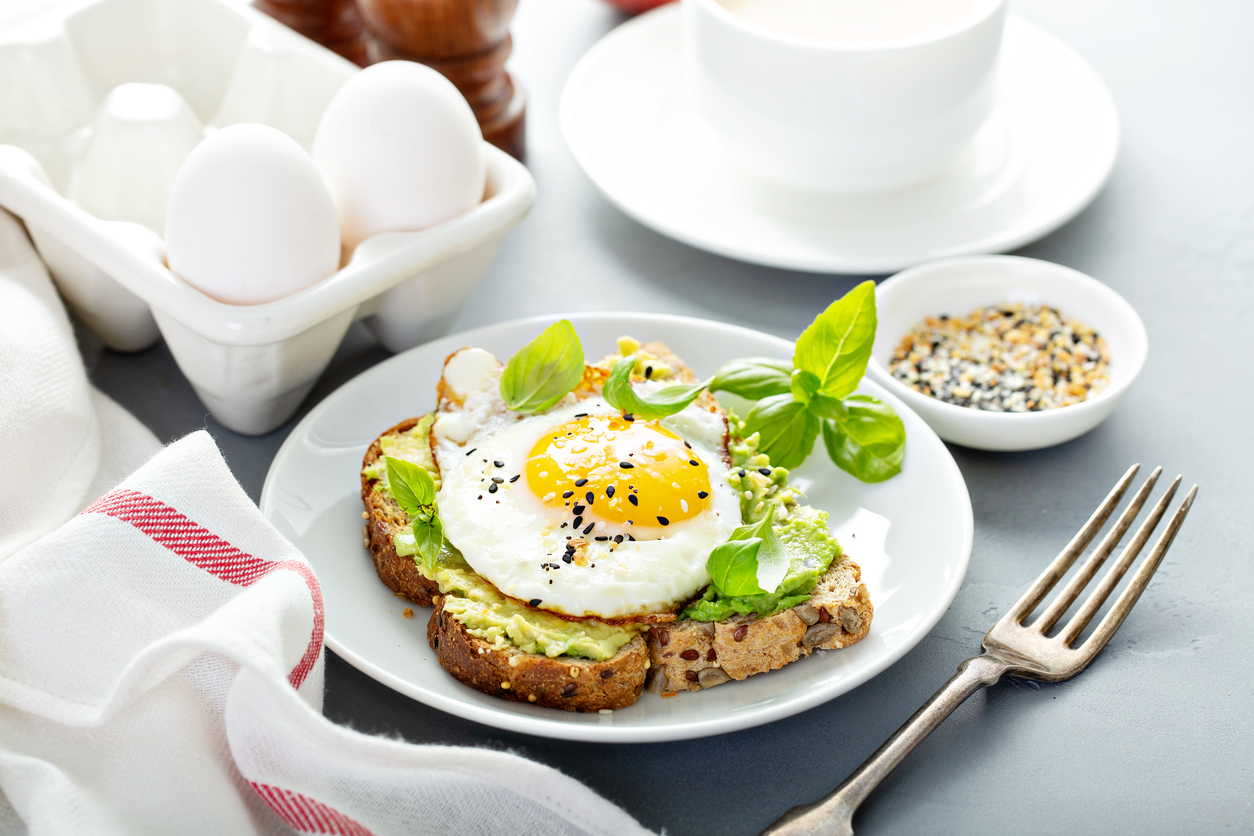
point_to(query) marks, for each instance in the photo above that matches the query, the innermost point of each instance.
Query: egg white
(513, 541)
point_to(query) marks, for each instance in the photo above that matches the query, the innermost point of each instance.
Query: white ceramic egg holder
(251, 365)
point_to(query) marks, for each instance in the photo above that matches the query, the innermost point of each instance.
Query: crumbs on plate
(1004, 358)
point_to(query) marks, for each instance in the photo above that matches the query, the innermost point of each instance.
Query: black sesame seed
(693, 462)
(578, 522)
(602, 539)
(581, 483)
(648, 372)
(702, 494)
(588, 530)
(471, 450)
(618, 538)
(513, 479)
(689, 446)
(631, 497)
(492, 488)
(609, 492)
(628, 417)
(765, 471)
(663, 521)
(568, 494)
(581, 415)
(534, 602)
(632, 539)
(578, 509)
(499, 464)
(568, 557)
(627, 465)
(498, 480)
(591, 496)
(741, 474)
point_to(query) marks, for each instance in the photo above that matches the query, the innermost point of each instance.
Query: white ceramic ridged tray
(251, 365)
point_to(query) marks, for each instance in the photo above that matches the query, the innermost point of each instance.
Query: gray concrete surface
(1156, 736)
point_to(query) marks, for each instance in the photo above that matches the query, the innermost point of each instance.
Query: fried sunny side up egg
(579, 510)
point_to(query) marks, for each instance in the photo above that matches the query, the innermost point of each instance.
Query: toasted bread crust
(691, 655)
(562, 682)
(385, 518)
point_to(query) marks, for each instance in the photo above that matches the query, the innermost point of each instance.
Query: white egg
(578, 510)
(249, 219)
(401, 150)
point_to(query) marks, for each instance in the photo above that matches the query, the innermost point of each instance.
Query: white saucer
(1041, 158)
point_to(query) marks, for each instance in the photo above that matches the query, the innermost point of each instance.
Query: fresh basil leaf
(837, 345)
(618, 393)
(786, 429)
(753, 378)
(544, 370)
(869, 442)
(733, 566)
(411, 485)
(428, 537)
(753, 561)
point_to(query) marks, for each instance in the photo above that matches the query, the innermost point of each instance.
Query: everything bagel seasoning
(1004, 358)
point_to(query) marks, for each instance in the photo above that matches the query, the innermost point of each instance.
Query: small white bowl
(957, 286)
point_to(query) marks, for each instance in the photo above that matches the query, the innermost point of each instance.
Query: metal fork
(1015, 649)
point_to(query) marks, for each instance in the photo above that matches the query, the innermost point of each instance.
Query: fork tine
(1111, 579)
(1024, 606)
(1094, 562)
(1113, 619)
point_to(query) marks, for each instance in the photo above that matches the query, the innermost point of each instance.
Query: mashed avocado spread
(803, 531)
(489, 616)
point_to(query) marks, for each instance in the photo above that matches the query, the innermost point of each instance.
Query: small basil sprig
(753, 561)
(863, 436)
(414, 490)
(544, 370)
(619, 393)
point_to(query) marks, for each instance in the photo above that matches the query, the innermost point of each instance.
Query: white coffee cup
(837, 115)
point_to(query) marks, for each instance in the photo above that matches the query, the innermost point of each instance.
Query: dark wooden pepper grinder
(336, 24)
(468, 42)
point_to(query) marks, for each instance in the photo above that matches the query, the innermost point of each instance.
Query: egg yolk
(625, 473)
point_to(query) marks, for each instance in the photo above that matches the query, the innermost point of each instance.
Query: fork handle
(833, 814)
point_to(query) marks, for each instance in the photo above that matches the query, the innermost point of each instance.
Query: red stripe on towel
(201, 547)
(304, 813)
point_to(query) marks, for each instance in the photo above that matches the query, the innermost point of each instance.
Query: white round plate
(1042, 157)
(312, 495)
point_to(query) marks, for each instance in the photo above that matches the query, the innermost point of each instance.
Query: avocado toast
(533, 650)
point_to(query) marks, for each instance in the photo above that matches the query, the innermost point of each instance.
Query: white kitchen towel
(161, 658)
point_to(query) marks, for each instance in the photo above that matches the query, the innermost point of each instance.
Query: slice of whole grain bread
(560, 682)
(691, 655)
(613, 683)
